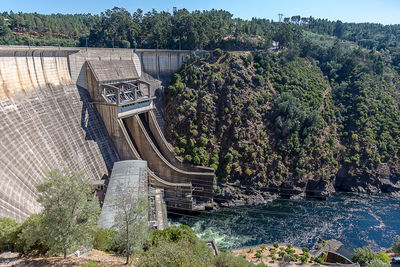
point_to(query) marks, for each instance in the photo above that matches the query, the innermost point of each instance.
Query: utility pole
(280, 17)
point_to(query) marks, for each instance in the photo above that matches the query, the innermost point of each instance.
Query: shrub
(281, 254)
(276, 245)
(396, 244)
(227, 259)
(8, 233)
(188, 158)
(288, 258)
(103, 239)
(196, 160)
(263, 246)
(377, 263)
(303, 259)
(273, 258)
(364, 255)
(289, 246)
(176, 246)
(217, 53)
(125, 44)
(318, 260)
(180, 253)
(30, 237)
(305, 250)
(383, 257)
(258, 254)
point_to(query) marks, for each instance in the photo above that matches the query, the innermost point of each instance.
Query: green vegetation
(70, 210)
(365, 255)
(103, 239)
(179, 246)
(131, 222)
(377, 263)
(277, 118)
(8, 230)
(396, 244)
(227, 259)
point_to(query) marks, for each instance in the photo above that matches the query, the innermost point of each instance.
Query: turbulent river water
(354, 219)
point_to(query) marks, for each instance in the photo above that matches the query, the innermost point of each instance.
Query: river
(354, 219)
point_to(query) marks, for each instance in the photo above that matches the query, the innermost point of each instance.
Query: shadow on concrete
(95, 129)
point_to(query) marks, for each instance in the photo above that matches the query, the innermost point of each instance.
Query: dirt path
(101, 258)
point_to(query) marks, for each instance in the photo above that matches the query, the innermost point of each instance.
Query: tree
(70, 210)
(396, 244)
(364, 255)
(131, 221)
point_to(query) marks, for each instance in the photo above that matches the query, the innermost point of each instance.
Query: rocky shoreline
(236, 194)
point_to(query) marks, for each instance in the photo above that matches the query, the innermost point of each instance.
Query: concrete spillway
(45, 122)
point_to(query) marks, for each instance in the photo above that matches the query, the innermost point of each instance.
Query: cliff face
(271, 123)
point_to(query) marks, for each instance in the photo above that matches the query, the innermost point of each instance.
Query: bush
(181, 253)
(383, 257)
(276, 245)
(305, 250)
(377, 263)
(258, 254)
(289, 258)
(227, 259)
(289, 246)
(103, 239)
(125, 44)
(290, 251)
(30, 237)
(263, 246)
(176, 246)
(303, 259)
(364, 256)
(8, 233)
(396, 244)
(318, 260)
(217, 53)
(174, 234)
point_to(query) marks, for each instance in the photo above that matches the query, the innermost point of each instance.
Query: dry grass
(100, 257)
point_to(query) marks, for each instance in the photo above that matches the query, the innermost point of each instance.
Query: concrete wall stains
(46, 121)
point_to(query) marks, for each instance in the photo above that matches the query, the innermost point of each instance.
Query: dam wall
(157, 63)
(46, 121)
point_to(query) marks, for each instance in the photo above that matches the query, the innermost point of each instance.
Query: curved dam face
(55, 112)
(46, 121)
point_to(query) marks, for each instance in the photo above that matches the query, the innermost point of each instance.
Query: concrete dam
(86, 109)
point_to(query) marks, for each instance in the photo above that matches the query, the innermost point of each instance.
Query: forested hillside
(319, 113)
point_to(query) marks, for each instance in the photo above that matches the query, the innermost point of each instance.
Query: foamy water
(354, 219)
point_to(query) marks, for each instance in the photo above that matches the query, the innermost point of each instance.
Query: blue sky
(381, 11)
